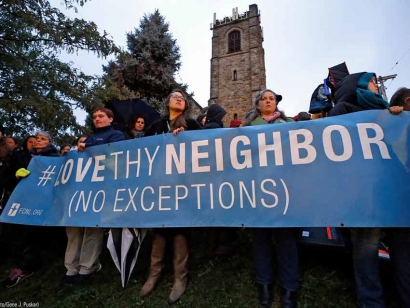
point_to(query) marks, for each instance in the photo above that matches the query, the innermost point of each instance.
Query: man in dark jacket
(84, 245)
(103, 132)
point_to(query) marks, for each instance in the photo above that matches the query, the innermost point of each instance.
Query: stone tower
(238, 62)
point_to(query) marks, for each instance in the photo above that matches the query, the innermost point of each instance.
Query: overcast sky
(301, 40)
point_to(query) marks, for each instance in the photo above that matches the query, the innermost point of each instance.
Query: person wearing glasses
(174, 122)
(136, 127)
(359, 92)
(266, 112)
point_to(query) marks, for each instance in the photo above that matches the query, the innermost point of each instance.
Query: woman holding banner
(34, 238)
(175, 122)
(266, 112)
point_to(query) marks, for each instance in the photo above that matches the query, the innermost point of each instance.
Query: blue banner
(350, 170)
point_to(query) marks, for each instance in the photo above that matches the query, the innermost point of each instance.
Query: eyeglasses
(140, 122)
(178, 97)
(374, 81)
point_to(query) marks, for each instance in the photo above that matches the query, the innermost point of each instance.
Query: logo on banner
(13, 210)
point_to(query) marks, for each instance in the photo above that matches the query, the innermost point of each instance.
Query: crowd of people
(356, 92)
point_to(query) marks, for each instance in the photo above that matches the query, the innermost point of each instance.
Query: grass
(327, 280)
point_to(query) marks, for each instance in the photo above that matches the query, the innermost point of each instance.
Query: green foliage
(37, 89)
(147, 69)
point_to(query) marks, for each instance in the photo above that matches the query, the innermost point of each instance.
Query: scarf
(272, 117)
(369, 100)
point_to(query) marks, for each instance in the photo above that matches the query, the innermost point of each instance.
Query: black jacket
(213, 125)
(346, 96)
(49, 150)
(214, 115)
(346, 89)
(162, 126)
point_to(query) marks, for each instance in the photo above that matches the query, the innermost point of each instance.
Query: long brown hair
(179, 121)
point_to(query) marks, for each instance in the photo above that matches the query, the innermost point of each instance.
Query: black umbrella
(124, 245)
(126, 110)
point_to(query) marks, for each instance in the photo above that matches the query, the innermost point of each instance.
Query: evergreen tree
(148, 67)
(37, 89)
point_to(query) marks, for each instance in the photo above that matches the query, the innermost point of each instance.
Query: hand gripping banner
(350, 170)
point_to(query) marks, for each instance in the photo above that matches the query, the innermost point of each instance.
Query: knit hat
(46, 134)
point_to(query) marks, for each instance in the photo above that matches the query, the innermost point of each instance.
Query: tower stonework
(238, 62)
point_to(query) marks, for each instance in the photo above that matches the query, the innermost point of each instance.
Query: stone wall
(237, 96)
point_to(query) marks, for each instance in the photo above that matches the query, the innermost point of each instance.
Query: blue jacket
(104, 135)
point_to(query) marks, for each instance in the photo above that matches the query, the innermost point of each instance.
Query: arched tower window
(234, 41)
(235, 76)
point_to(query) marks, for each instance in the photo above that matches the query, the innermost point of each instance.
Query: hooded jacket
(352, 95)
(214, 116)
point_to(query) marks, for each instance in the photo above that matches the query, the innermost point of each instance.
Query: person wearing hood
(266, 112)
(84, 245)
(214, 117)
(354, 93)
(357, 92)
(219, 239)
